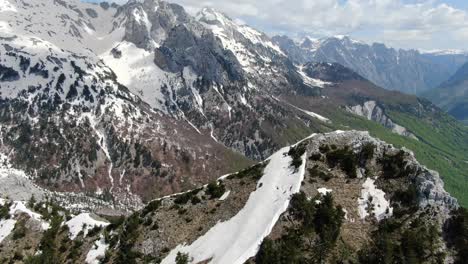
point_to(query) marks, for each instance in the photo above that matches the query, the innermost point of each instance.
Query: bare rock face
(149, 22)
(372, 111)
(432, 192)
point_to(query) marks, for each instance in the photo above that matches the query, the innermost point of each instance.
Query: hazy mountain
(407, 71)
(452, 95)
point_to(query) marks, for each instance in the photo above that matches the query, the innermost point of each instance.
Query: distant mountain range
(408, 71)
(452, 95)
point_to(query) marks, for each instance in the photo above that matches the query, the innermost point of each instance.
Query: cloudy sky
(423, 24)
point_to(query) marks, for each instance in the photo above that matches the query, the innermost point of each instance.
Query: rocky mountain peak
(310, 43)
(148, 22)
(209, 14)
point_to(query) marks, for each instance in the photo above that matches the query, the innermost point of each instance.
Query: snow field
(239, 238)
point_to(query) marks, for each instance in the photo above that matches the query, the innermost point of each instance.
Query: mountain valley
(118, 122)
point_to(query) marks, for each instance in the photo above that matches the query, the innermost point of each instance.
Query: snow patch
(6, 6)
(239, 238)
(312, 114)
(83, 222)
(370, 194)
(136, 70)
(311, 81)
(97, 252)
(6, 227)
(225, 196)
(19, 207)
(324, 191)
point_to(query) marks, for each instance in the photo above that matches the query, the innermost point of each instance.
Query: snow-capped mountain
(108, 99)
(70, 125)
(408, 71)
(117, 120)
(121, 96)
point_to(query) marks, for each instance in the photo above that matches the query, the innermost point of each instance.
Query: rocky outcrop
(372, 111)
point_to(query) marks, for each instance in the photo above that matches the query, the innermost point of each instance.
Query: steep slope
(192, 69)
(347, 186)
(70, 126)
(452, 95)
(437, 139)
(73, 25)
(386, 214)
(215, 82)
(407, 71)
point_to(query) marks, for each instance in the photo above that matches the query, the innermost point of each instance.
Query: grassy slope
(443, 147)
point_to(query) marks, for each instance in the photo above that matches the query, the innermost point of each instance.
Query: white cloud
(424, 24)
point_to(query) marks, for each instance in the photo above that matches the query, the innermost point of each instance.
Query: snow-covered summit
(442, 52)
(229, 30)
(73, 25)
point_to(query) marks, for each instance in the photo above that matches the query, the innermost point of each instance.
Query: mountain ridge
(452, 95)
(408, 71)
(223, 84)
(311, 170)
(116, 122)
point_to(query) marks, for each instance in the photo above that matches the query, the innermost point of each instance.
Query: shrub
(115, 222)
(312, 237)
(394, 242)
(367, 151)
(316, 172)
(456, 229)
(327, 220)
(32, 201)
(127, 238)
(94, 231)
(185, 197)
(394, 166)
(19, 230)
(182, 258)
(288, 249)
(148, 221)
(48, 244)
(5, 211)
(195, 200)
(254, 172)
(182, 198)
(324, 148)
(296, 154)
(315, 157)
(151, 207)
(303, 209)
(215, 190)
(407, 198)
(345, 158)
